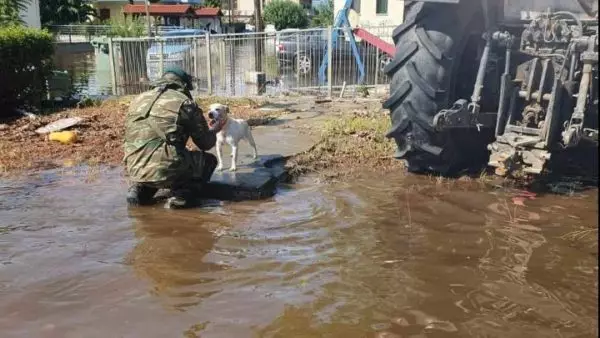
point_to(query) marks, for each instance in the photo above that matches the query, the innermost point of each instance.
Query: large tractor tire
(427, 75)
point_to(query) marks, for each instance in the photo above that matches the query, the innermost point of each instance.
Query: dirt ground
(353, 138)
(100, 136)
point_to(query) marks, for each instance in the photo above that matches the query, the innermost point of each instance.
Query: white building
(372, 13)
(31, 15)
(378, 17)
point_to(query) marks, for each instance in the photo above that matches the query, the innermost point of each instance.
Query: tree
(64, 12)
(9, 11)
(323, 15)
(285, 14)
(212, 3)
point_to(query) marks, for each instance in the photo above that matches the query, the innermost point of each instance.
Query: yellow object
(66, 137)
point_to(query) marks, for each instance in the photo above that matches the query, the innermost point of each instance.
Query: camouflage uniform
(158, 125)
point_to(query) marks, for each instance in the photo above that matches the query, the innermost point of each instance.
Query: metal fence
(77, 33)
(226, 64)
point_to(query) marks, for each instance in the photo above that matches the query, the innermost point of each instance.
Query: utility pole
(147, 8)
(230, 16)
(258, 38)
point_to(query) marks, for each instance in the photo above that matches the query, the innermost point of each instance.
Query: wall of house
(114, 6)
(31, 16)
(366, 16)
(245, 8)
(115, 9)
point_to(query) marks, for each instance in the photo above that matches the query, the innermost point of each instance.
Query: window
(104, 14)
(306, 4)
(381, 6)
(225, 4)
(356, 5)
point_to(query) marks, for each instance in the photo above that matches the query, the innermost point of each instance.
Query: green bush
(25, 62)
(285, 14)
(323, 15)
(126, 28)
(9, 11)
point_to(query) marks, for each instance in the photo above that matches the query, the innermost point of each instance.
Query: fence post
(195, 60)
(111, 62)
(298, 56)
(208, 65)
(232, 66)
(161, 58)
(329, 61)
(378, 63)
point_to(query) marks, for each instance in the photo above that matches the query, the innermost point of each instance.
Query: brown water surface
(403, 256)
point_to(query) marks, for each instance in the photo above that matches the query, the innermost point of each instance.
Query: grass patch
(348, 144)
(271, 66)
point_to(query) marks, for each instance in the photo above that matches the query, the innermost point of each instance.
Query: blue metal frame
(341, 21)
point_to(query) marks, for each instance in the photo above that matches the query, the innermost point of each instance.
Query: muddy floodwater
(403, 256)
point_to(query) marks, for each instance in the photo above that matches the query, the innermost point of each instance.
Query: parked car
(312, 46)
(176, 52)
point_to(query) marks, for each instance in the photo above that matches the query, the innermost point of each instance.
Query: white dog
(230, 130)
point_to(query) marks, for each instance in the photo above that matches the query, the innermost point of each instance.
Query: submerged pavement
(282, 138)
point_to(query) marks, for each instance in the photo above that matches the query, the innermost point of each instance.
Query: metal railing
(77, 33)
(226, 64)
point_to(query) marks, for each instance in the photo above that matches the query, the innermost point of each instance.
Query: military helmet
(181, 74)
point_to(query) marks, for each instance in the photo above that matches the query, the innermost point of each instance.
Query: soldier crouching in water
(158, 125)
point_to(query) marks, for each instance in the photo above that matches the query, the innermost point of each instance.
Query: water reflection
(89, 70)
(171, 254)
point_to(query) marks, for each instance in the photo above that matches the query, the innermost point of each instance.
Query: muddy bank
(351, 134)
(350, 143)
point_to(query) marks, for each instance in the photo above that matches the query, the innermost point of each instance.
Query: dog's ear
(227, 109)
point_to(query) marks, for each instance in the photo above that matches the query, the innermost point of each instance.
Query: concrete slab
(280, 139)
(244, 184)
(257, 178)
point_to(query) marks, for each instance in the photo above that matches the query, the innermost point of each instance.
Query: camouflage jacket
(158, 125)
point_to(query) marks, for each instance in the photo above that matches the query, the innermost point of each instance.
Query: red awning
(208, 11)
(158, 9)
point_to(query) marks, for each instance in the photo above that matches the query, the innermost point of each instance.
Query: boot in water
(138, 194)
(175, 202)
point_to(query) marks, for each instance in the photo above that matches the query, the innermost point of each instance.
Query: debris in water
(59, 125)
(386, 335)
(518, 201)
(521, 196)
(401, 321)
(391, 261)
(441, 326)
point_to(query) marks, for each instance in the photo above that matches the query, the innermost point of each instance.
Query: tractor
(510, 83)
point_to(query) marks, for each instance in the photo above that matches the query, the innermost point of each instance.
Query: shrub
(126, 28)
(212, 3)
(285, 14)
(25, 62)
(323, 15)
(9, 11)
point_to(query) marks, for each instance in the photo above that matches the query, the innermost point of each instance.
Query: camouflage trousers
(189, 183)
